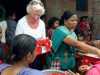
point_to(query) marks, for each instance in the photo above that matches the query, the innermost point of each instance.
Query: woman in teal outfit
(64, 42)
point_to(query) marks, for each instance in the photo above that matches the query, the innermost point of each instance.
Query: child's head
(53, 22)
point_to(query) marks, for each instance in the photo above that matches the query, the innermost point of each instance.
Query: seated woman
(23, 53)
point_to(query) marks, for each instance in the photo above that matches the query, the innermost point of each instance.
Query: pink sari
(95, 70)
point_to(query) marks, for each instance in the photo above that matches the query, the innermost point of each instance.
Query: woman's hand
(84, 68)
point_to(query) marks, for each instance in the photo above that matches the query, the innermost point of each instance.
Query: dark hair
(51, 21)
(83, 17)
(22, 45)
(66, 15)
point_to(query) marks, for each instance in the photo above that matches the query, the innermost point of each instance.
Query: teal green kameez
(64, 52)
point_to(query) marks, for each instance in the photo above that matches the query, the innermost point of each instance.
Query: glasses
(36, 2)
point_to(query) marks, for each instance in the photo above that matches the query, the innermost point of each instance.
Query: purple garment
(29, 71)
(3, 66)
(25, 71)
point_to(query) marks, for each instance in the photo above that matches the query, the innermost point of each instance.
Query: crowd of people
(30, 44)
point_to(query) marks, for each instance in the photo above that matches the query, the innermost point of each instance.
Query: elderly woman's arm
(82, 46)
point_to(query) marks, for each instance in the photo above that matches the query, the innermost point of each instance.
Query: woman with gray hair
(31, 23)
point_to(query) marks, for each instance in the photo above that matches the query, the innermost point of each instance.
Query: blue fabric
(29, 71)
(25, 71)
(3, 66)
